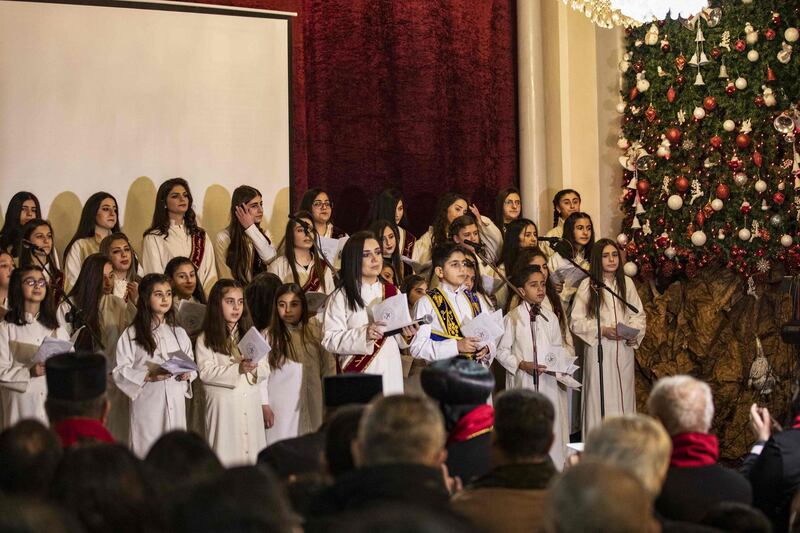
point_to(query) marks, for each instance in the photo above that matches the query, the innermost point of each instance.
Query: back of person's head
(29, 454)
(25, 515)
(523, 425)
(401, 429)
(105, 485)
(245, 499)
(180, 460)
(341, 432)
(260, 296)
(76, 386)
(636, 443)
(403, 518)
(735, 517)
(459, 385)
(598, 497)
(683, 404)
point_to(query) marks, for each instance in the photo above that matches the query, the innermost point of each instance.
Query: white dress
(619, 364)
(256, 241)
(156, 406)
(344, 333)
(23, 396)
(234, 421)
(516, 346)
(280, 267)
(158, 249)
(555, 262)
(78, 252)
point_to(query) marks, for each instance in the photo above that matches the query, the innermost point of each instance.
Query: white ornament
(698, 238)
(740, 178)
(651, 37)
(721, 235)
(717, 204)
(751, 35)
(623, 66)
(760, 186)
(642, 85)
(769, 96)
(623, 143)
(670, 253)
(646, 230)
(675, 202)
(622, 239)
(744, 234)
(752, 56)
(747, 126)
(740, 83)
(699, 113)
(729, 125)
(785, 55)
(786, 241)
(630, 269)
(621, 107)
(791, 34)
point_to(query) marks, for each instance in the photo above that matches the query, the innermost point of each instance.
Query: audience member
(695, 481)
(29, 454)
(521, 466)
(342, 433)
(26, 515)
(734, 517)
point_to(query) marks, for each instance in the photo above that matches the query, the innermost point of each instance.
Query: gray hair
(683, 404)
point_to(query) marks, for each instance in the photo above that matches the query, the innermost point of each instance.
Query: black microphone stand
(597, 285)
(317, 238)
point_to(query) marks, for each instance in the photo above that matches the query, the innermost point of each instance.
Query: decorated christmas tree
(709, 119)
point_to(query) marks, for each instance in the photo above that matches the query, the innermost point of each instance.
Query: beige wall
(575, 123)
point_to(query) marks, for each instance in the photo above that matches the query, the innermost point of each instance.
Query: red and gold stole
(314, 282)
(359, 363)
(408, 245)
(198, 248)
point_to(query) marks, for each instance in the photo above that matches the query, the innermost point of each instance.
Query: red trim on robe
(475, 423)
(359, 363)
(74, 431)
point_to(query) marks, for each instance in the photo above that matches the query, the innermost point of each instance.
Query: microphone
(303, 224)
(35, 247)
(426, 319)
(476, 245)
(550, 239)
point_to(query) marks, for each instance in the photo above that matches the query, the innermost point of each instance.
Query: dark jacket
(469, 459)
(689, 492)
(293, 457)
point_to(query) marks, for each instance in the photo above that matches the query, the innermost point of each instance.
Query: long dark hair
(143, 321)
(377, 228)
(173, 265)
(385, 206)
(105, 249)
(16, 300)
(306, 203)
(288, 248)
(499, 203)
(26, 254)
(240, 255)
(87, 293)
(260, 296)
(596, 268)
(215, 329)
(511, 246)
(569, 234)
(350, 273)
(160, 223)
(524, 259)
(440, 222)
(280, 337)
(557, 198)
(12, 229)
(86, 226)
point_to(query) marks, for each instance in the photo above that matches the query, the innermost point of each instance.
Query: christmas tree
(709, 120)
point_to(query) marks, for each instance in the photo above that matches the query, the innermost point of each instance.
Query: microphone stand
(317, 238)
(597, 285)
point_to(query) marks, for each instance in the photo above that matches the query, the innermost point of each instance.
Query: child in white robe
(565, 202)
(576, 245)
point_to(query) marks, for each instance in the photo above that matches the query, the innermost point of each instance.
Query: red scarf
(694, 449)
(77, 430)
(477, 422)
(796, 423)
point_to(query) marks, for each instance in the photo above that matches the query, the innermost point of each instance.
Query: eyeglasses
(320, 205)
(460, 264)
(31, 282)
(512, 202)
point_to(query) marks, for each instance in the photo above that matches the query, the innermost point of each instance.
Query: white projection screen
(119, 96)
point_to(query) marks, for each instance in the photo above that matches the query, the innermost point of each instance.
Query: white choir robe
(423, 346)
(256, 241)
(422, 248)
(491, 235)
(234, 421)
(280, 267)
(516, 346)
(21, 395)
(401, 243)
(80, 250)
(619, 364)
(158, 249)
(329, 230)
(156, 406)
(555, 262)
(344, 333)
(557, 231)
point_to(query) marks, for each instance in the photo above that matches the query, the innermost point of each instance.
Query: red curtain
(417, 95)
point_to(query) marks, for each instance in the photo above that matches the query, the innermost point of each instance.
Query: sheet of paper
(51, 346)
(570, 275)
(626, 332)
(491, 284)
(120, 288)
(331, 248)
(577, 446)
(254, 346)
(178, 363)
(191, 316)
(569, 381)
(488, 327)
(393, 311)
(416, 267)
(315, 301)
(557, 362)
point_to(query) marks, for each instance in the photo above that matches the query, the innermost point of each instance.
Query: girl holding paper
(349, 331)
(126, 272)
(233, 417)
(296, 353)
(31, 317)
(618, 355)
(301, 262)
(517, 349)
(158, 398)
(577, 245)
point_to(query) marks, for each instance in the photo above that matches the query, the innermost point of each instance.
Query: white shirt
(158, 249)
(256, 240)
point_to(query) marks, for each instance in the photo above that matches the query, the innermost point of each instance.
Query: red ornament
(716, 52)
(757, 159)
(735, 163)
(759, 100)
(638, 66)
(700, 218)
(660, 221)
(681, 184)
(746, 207)
(665, 47)
(730, 89)
(633, 94)
(674, 135)
(650, 114)
(629, 194)
(740, 46)
(710, 103)
(743, 140)
(716, 141)
(671, 94)
(770, 34)
(771, 74)
(680, 79)
(723, 192)
(680, 62)
(776, 18)
(778, 198)
(643, 186)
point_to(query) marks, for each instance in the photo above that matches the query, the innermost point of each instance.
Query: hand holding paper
(51, 346)
(393, 312)
(253, 346)
(626, 332)
(330, 247)
(179, 363)
(487, 327)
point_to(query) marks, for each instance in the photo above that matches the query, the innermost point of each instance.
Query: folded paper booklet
(393, 311)
(570, 275)
(626, 332)
(488, 327)
(120, 288)
(254, 346)
(51, 346)
(179, 362)
(558, 363)
(191, 316)
(568, 380)
(491, 284)
(416, 267)
(331, 248)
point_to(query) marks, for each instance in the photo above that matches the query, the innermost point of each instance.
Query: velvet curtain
(416, 95)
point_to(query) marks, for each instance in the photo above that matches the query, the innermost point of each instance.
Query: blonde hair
(636, 443)
(683, 404)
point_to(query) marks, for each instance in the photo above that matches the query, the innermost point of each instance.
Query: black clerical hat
(457, 381)
(76, 376)
(344, 389)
